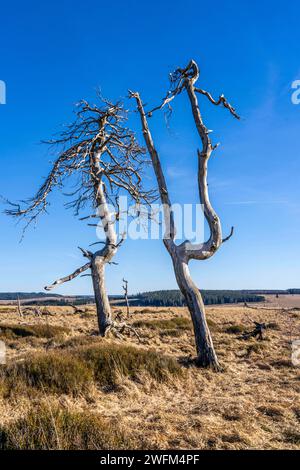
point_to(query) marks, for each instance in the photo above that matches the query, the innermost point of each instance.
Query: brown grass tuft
(111, 360)
(39, 331)
(50, 372)
(59, 429)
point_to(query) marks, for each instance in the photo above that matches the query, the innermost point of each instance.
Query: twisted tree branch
(69, 277)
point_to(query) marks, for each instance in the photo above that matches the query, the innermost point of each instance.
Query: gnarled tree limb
(184, 80)
(69, 277)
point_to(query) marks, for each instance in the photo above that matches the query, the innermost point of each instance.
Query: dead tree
(106, 160)
(185, 80)
(19, 307)
(272, 309)
(125, 288)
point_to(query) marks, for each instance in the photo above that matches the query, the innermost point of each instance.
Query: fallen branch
(270, 309)
(257, 332)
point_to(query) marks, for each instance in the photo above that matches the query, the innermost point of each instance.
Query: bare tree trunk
(19, 307)
(101, 297)
(125, 288)
(107, 159)
(183, 253)
(206, 355)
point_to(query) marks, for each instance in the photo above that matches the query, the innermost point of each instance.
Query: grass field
(64, 387)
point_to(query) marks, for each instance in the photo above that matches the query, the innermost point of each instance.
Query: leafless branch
(229, 236)
(222, 100)
(70, 277)
(96, 147)
(184, 80)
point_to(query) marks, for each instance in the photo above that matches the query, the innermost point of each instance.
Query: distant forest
(173, 298)
(25, 295)
(161, 298)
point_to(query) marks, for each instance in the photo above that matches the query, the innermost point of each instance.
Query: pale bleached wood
(185, 79)
(106, 158)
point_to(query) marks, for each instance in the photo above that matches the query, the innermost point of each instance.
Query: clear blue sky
(54, 53)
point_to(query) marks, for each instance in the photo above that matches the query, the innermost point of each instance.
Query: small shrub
(52, 372)
(59, 429)
(38, 331)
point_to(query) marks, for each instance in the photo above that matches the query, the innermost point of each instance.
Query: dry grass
(9, 331)
(119, 395)
(75, 371)
(49, 373)
(56, 428)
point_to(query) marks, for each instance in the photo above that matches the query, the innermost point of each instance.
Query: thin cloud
(240, 203)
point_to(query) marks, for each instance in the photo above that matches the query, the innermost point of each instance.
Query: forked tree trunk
(182, 254)
(106, 157)
(101, 297)
(206, 355)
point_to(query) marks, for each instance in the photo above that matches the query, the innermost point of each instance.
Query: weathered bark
(101, 297)
(125, 288)
(106, 158)
(104, 256)
(206, 355)
(183, 253)
(19, 307)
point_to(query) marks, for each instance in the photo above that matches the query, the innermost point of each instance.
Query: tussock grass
(175, 333)
(174, 326)
(88, 314)
(273, 326)
(79, 341)
(297, 413)
(111, 360)
(73, 371)
(292, 436)
(39, 331)
(155, 311)
(255, 348)
(51, 372)
(237, 409)
(180, 323)
(271, 411)
(281, 363)
(59, 429)
(235, 329)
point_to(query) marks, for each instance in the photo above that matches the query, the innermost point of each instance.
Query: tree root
(118, 328)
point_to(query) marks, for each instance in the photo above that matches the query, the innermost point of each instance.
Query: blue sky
(53, 54)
